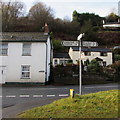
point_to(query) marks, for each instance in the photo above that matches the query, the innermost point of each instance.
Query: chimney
(46, 29)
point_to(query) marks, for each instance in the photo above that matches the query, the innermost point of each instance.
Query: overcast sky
(65, 8)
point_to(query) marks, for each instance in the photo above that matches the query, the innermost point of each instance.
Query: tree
(81, 18)
(90, 33)
(112, 17)
(10, 12)
(40, 14)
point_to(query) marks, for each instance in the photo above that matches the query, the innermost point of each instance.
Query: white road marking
(11, 96)
(24, 96)
(26, 89)
(37, 95)
(101, 86)
(0, 96)
(50, 95)
(63, 95)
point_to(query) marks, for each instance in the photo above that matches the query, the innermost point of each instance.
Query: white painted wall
(48, 58)
(74, 56)
(14, 60)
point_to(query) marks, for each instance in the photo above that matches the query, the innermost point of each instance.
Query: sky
(64, 8)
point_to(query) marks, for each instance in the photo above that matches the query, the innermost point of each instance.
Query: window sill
(24, 78)
(26, 55)
(3, 55)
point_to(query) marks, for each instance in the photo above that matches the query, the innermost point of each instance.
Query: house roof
(23, 37)
(92, 49)
(61, 55)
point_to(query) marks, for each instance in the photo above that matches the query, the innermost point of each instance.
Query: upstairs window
(26, 51)
(103, 54)
(26, 71)
(4, 49)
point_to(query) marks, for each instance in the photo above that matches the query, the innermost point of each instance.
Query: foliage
(95, 105)
(57, 46)
(90, 33)
(94, 66)
(112, 17)
(10, 13)
(81, 18)
(117, 57)
(40, 14)
(116, 51)
(116, 66)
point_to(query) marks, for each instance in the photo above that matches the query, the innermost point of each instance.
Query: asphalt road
(17, 99)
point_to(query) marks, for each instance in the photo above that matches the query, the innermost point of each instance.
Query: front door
(2, 74)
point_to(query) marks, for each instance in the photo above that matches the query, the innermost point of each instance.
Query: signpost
(80, 43)
(76, 43)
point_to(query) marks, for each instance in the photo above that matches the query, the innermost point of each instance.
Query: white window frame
(4, 47)
(25, 71)
(26, 50)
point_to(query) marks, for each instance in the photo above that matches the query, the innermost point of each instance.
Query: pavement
(15, 100)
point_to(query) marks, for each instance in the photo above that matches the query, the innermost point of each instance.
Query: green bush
(116, 57)
(94, 66)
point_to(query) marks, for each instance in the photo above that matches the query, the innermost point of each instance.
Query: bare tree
(10, 12)
(40, 14)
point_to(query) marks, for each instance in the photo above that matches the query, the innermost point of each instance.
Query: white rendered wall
(14, 60)
(74, 56)
(48, 58)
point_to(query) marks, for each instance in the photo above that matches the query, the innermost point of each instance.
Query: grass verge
(96, 105)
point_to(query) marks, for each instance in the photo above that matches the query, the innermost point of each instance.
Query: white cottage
(103, 55)
(61, 59)
(25, 57)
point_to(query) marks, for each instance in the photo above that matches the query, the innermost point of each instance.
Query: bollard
(72, 93)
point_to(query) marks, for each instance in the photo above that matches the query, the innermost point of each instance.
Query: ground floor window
(55, 62)
(25, 71)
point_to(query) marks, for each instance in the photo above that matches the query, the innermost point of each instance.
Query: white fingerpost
(80, 66)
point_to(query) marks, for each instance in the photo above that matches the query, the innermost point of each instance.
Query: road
(18, 99)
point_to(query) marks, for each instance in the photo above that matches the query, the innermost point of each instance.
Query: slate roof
(61, 55)
(92, 49)
(23, 37)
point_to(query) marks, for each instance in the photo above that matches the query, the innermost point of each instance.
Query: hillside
(111, 37)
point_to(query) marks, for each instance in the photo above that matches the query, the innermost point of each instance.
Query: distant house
(61, 59)
(25, 56)
(102, 55)
(111, 25)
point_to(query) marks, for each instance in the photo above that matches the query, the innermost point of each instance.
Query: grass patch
(96, 105)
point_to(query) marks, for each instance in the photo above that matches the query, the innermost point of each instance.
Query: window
(61, 62)
(26, 49)
(103, 54)
(87, 53)
(55, 62)
(4, 49)
(26, 71)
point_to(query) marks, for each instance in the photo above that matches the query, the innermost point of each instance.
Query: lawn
(96, 105)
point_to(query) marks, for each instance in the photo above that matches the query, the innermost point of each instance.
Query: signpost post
(80, 43)
(80, 66)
